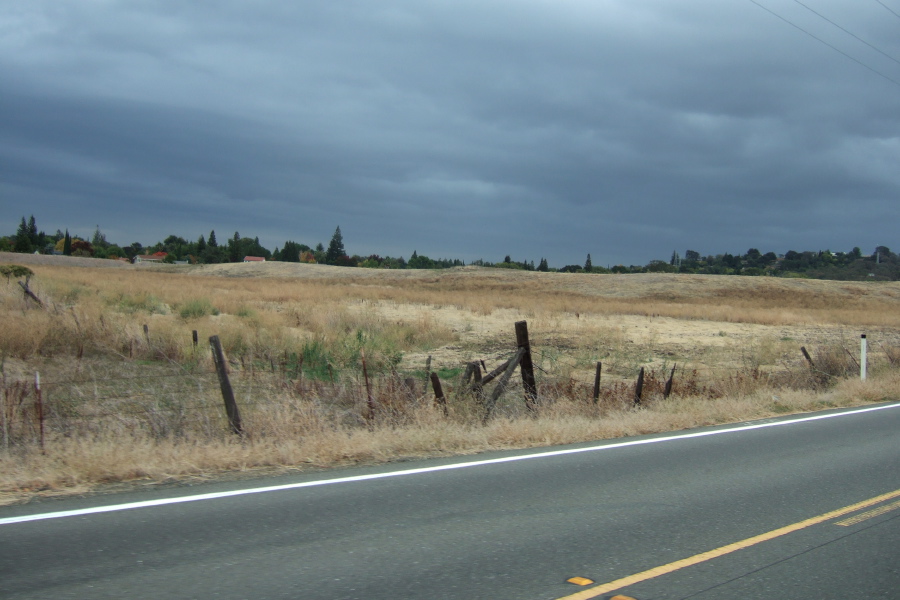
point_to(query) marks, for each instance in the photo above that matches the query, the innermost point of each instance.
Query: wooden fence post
(808, 358)
(597, 382)
(501, 385)
(639, 388)
(668, 389)
(478, 386)
(370, 400)
(29, 294)
(527, 366)
(439, 392)
(231, 408)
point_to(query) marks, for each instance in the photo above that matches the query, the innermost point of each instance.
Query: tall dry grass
(124, 403)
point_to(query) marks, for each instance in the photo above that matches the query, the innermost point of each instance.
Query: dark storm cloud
(459, 129)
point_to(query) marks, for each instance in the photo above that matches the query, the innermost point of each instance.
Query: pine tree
(32, 231)
(23, 240)
(542, 266)
(211, 242)
(335, 248)
(99, 239)
(588, 267)
(67, 244)
(234, 248)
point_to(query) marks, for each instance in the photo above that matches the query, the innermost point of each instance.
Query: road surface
(801, 507)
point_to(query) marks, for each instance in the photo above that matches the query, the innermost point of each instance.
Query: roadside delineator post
(862, 357)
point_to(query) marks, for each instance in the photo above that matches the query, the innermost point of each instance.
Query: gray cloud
(463, 129)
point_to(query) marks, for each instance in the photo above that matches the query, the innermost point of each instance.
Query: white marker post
(862, 357)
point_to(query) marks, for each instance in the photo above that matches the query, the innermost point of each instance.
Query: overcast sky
(461, 129)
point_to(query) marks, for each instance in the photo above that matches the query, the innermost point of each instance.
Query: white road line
(477, 463)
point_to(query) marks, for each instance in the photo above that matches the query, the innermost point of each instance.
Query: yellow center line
(711, 554)
(869, 514)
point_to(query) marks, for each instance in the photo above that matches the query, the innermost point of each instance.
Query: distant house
(254, 259)
(156, 257)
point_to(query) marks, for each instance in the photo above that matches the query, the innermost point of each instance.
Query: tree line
(882, 264)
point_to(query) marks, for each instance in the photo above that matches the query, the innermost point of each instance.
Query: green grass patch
(145, 303)
(194, 309)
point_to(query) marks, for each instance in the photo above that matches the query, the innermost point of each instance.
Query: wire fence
(165, 399)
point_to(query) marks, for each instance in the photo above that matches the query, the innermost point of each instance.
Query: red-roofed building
(254, 259)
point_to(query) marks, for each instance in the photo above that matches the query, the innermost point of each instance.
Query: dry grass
(123, 405)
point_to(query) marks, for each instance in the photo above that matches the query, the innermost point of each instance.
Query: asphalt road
(511, 526)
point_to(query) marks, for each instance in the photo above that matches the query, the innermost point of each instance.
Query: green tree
(99, 239)
(67, 244)
(33, 232)
(23, 240)
(292, 250)
(542, 266)
(234, 248)
(212, 239)
(420, 262)
(335, 248)
(588, 267)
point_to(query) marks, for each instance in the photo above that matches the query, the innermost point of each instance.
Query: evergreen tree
(211, 242)
(32, 232)
(99, 239)
(67, 244)
(201, 244)
(23, 240)
(542, 266)
(588, 267)
(292, 250)
(234, 248)
(335, 248)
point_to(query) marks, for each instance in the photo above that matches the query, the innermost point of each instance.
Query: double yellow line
(711, 554)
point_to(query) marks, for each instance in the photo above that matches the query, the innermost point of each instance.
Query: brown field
(122, 405)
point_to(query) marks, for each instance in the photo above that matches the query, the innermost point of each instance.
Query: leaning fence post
(527, 366)
(231, 408)
(808, 358)
(668, 389)
(862, 357)
(597, 382)
(511, 365)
